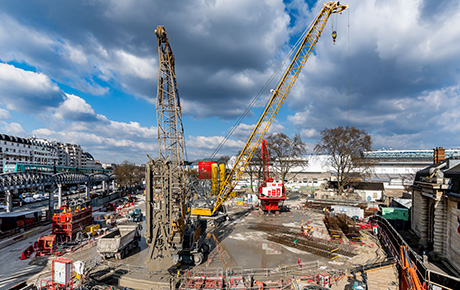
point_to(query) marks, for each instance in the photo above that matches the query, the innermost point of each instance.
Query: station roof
(19, 213)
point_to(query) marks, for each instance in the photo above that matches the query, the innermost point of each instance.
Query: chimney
(439, 155)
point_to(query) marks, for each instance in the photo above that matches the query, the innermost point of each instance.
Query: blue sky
(85, 72)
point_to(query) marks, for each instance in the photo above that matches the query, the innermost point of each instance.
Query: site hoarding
(395, 213)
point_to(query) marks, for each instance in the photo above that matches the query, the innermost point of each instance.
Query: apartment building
(42, 152)
(69, 154)
(26, 150)
(87, 161)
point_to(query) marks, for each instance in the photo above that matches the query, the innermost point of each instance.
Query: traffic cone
(23, 256)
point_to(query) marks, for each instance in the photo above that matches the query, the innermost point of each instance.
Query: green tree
(345, 146)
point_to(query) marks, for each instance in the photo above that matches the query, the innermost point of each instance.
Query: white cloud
(211, 142)
(309, 133)
(76, 109)
(105, 149)
(14, 129)
(402, 79)
(26, 91)
(129, 64)
(4, 114)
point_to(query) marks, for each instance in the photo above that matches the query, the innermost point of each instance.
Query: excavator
(173, 235)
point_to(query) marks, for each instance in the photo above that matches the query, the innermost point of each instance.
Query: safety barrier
(393, 240)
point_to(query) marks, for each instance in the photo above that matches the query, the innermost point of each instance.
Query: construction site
(199, 234)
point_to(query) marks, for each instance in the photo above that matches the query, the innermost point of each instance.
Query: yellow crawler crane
(276, 101)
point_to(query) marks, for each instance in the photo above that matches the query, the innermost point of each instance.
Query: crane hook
(334, 35)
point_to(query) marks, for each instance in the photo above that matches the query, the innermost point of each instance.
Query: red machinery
(271, 194)
(46, 245)
(68, 223)
(204, 169)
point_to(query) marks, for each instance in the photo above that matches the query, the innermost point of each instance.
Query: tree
(285, 154)
(223, 160)
(345, 146)
(128, 174)
(254, 167)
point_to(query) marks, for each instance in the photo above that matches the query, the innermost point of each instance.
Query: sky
(85, 72)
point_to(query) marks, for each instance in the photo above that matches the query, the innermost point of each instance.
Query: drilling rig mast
(171, 234)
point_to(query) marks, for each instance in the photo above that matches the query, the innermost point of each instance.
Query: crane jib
(276, 101)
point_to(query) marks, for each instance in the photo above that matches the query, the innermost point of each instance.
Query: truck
(119, 242)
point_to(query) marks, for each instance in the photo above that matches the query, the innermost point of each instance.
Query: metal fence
(393, 240)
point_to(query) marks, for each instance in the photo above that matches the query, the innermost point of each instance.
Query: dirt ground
(249, 242)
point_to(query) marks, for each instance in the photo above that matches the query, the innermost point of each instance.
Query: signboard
(395, 213)
(273, 190)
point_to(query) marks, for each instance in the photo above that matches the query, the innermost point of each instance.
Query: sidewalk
(20, 236)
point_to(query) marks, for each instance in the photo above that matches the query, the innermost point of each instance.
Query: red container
(204, 169)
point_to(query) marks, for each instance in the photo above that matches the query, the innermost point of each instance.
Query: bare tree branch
(345, 146)
(285, 154)
(128, 174)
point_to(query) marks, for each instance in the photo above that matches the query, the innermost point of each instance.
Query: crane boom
(277, 99)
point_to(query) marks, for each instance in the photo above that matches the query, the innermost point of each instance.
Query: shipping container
(395, 213)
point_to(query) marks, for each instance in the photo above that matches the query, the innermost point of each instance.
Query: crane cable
(284, 62)
(348, 67)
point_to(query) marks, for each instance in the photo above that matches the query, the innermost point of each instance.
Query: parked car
(29, 200)
(38, 197)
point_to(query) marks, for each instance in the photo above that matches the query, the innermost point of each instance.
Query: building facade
(436, 210)
(397, 168)
(87, 161)
(42, 152)
(26, 150)
(69, 154)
